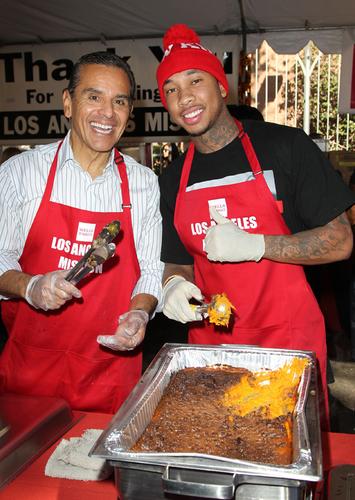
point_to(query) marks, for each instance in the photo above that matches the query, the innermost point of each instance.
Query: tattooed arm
(321, 245)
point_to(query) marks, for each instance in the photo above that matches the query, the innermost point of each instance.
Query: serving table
(32, 484)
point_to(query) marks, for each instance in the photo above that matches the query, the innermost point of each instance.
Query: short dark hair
(9, 152)
(106, 59)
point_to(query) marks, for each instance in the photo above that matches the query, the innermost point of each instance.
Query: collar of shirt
(66, 157)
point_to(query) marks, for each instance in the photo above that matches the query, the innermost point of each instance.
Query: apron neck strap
(248, 149)
(121, 166)
(52, 171)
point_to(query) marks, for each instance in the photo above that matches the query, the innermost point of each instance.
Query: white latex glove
(176, 295)
(50, 291)
(130, 331)
(226, 242)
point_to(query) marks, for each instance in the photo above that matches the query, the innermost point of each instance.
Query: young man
(54, 200)
(243, 211)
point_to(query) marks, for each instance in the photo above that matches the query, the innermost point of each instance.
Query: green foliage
(324, 117)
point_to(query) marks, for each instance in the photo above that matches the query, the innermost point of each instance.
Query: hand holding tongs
(101, 250)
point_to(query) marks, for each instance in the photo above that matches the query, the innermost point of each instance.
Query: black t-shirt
(311, 190)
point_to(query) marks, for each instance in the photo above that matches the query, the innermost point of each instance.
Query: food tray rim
(306, 468)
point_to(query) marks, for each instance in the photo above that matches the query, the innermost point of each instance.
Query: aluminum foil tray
(134, 416)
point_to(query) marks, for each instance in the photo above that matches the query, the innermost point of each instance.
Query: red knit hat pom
(179, 33)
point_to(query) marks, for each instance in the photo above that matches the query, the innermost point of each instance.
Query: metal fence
(302, 90)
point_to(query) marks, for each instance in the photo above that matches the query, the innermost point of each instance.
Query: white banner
(347, 77)
(32, 78)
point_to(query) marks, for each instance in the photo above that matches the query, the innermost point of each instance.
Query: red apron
(275, 306)
(55, 353)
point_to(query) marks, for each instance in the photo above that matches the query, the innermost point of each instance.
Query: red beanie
(183, 51)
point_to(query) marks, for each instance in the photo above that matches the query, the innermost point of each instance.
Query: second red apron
(275, 306)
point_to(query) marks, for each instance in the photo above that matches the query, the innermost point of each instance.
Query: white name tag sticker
(220, 205)
(85, 231)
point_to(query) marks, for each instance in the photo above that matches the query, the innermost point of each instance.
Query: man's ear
(67, 104)
(222, 90)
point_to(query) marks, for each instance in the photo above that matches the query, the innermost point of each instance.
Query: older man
(67, 192)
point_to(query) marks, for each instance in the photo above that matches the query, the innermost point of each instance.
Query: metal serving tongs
(101, 250)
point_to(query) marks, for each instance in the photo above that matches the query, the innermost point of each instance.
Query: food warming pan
(155, 476)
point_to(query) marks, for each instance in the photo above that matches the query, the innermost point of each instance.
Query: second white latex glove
(130, 331)
(176, 295)
(50, 291)
(226, 242)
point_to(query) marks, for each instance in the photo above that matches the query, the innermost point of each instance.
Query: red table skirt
(32, 484)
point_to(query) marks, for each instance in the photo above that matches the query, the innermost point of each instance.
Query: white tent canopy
(287, 25)
(39, 40)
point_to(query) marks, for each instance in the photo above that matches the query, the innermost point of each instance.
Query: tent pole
(244, 91)
(307, 87)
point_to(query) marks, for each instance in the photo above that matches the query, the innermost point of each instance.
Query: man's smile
(101, 128)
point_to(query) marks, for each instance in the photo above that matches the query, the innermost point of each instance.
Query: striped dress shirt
(22, 183)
